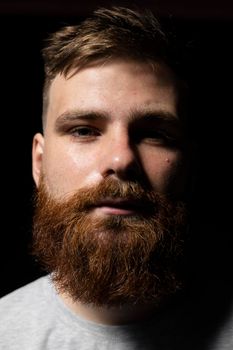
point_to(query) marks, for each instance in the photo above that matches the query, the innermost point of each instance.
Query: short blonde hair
(107, 34)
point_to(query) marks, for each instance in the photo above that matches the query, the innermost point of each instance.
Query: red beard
(111, 260)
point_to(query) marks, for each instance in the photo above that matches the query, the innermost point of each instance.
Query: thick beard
(110, 260)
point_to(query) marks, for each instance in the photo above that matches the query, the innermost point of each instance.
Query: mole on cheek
(167, 160)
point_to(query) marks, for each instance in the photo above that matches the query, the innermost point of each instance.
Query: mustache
(116, 192)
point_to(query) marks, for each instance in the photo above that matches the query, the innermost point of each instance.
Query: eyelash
(91, 132)
(156, 136)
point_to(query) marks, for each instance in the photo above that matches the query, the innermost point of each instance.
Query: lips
(119, 207)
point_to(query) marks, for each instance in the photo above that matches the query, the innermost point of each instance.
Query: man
(111, 169)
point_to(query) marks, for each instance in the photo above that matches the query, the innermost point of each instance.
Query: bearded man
(111, 171)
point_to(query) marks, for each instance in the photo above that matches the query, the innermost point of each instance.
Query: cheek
(163, 169)
(67, 169)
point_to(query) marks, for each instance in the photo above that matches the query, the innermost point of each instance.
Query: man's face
(110, 170)
(114, 120)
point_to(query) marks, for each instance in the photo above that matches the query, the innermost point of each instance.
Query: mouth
(118, 207)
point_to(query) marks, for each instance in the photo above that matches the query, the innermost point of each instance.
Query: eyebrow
(158, 116)
(75, 115)
(135, 116)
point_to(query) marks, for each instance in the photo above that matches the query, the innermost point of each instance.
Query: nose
(120, 158)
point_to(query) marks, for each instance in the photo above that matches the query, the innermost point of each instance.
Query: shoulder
(24, 297)
(22, 310)
(224, 340)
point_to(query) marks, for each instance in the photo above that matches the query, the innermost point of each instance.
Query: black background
(210, 72)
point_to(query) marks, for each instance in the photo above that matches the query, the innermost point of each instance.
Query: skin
(110, 120)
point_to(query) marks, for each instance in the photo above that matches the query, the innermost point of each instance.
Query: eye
(158, 137)
(154, 135)
(84, 132)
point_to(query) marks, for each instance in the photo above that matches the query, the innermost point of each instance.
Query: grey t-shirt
(35, 318)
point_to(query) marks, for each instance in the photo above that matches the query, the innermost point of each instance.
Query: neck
(117, 315)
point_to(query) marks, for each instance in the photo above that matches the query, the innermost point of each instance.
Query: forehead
(116, 88)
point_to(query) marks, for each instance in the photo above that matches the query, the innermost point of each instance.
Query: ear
(37, 157)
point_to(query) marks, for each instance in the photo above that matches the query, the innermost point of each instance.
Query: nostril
(109, 172)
